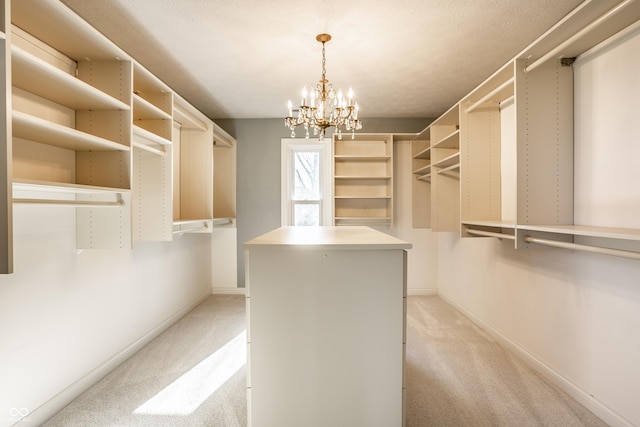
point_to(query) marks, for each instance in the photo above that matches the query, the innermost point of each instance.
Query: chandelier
(323, 107)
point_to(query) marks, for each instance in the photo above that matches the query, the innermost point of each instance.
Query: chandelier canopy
(323, 107)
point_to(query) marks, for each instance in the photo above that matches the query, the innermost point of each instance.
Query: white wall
(224, 259)
(576, 316)
(421, 258)
(64, 315)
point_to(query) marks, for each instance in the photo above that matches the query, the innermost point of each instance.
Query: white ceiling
(246, 58)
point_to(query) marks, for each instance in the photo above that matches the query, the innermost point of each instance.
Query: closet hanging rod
(585, 248)
(610, 41)
(191, 230)
(555, 51)
(491, 234)
(71, 203)
(490, 95)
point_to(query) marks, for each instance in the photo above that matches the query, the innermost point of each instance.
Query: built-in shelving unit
(224, 177)
(421, 184)
(71, 121)
(152, 157)
(445, 171)
(192, 169)
(92, 129)
(363, 180)
(502, 161)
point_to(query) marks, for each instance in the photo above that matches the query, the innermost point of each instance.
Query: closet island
(326, 309)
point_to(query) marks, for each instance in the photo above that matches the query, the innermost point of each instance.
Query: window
(305, 190)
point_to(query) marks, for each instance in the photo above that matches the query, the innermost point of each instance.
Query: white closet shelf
(361, 177)
(373, 220)
(145, 82)
(423, 170)
(40, 78)
(450, 141)
(424, 154)
(451, 160)
(147, 137)
(488, 223)
(63, 30)
(357, 158)
(63, 187)
(363, 197)
(145, 110)
(36, 129)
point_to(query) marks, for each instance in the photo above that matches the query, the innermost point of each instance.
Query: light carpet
(456, 375)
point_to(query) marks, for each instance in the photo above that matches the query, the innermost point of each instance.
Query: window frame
(289, 146)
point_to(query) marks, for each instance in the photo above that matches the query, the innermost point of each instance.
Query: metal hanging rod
(71, 203)
(491, 234)
(584, 248)
(490, 95)
(191, 230)
(191, 226)
(555, 51)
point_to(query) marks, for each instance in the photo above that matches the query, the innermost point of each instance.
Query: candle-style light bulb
(304, 95)
(290, 107)
(350, 95)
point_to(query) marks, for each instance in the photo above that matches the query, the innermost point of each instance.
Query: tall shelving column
(192, 169)
(485, 205)
(445, 171)
(363, 180)
(6, 193)
(71, 92)
(152, 157)
(421, 183)
(224, 176)
(544, 117)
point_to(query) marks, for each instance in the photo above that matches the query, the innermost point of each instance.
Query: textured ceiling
(246, 58)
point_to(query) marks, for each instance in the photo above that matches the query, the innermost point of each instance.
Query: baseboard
(421, 291)
(228, 291)
(605, 413)
(66, 396)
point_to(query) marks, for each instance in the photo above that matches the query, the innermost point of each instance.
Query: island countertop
(329, 237)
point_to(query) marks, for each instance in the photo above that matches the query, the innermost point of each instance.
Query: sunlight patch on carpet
(188, 392)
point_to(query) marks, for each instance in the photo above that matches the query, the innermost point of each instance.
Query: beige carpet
(456, 376)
